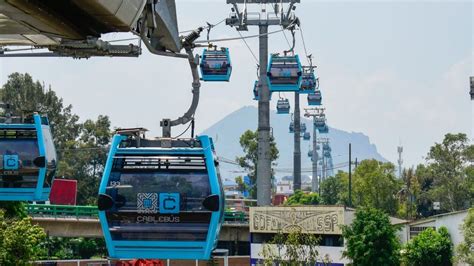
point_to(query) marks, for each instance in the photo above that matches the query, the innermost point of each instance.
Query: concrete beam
(86, 227)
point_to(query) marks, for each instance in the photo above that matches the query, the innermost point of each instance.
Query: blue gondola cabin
(160, 200)
(308, 83)
(315, 99)
(27, 159)
(283, 106)
(215, 65)
(284, 73)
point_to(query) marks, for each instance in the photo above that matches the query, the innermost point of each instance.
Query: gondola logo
(147, 203)
(10, 162)
(169, 203)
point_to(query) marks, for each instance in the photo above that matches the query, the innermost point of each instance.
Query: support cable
(246, 37)
(304, 46)
(248, 47)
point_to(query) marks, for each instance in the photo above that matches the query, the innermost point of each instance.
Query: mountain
(226, 134)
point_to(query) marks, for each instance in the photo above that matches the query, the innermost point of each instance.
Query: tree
(292, 248)
(429, 248)
(424, 177)
(241, 186)
(248, 142)
(84, 158)
(465, 249)
(453, 178)
(371, 239)
(19, 241)
(27, 96)
(303, 198)
(375, 185)
(409, 194)
(334, 189)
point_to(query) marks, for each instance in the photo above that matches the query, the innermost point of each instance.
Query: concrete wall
(451, 221)
(334, 253)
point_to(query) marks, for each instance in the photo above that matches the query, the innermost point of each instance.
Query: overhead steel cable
(304, 45)
(246, 37)
(205, 27)
(248, 47)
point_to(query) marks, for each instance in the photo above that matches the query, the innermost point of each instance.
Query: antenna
(471, 92)
(400, 160)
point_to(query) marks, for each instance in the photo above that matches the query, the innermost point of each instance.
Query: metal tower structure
(275, 16)
(314, 113)
(400, 160)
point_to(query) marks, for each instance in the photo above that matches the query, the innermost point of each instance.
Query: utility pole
(241, 21)
(314, 113)
(297, 145)
(350, 174)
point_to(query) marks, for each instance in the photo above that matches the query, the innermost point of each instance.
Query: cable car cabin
(256, 97)
(161, 201)
(326, 147)
(327, 154)
(324, 130)
(303, 127)
(284, 73)
(283, 106)
(27, 159)
(320, 122)
(215, 65)
(292, 127)
(308, 83)
(306, 136)
(315, 98)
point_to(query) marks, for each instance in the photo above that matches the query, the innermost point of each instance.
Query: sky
(397, 71)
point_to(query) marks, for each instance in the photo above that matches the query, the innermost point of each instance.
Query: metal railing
(62, 211)
(68, 211)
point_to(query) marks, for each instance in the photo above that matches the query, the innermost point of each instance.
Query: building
(284, 187)
(323, 221)
(452, 221)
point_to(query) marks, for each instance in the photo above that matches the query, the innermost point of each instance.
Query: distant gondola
(256, 97)
(315, 99)
(320, 121)
(308, 82)
(303, 127)
(215, 65)
(27, 158)
(283, 106)
(324, 130)
(161, 199)
(306, 136)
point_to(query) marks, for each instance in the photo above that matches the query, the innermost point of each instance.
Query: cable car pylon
(240, 20)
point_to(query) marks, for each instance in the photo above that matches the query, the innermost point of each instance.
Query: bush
(371, 239)
(429, 248)
(465, 253)
(302, 198)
